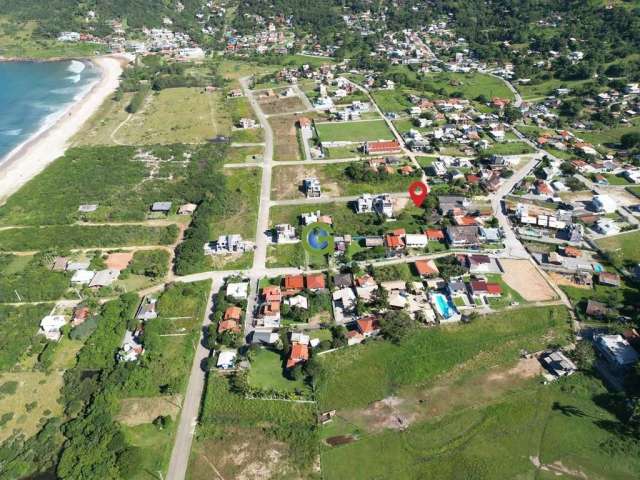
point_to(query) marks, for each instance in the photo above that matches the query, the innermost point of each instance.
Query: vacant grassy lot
(357, 376)
(243, 154)
(471, 85)
(35, 397)
(608, 138)
(285, 140)
(243, 218)
(627, 243)
(293, 255)
(358, 131)
(509, 148)
(539, 90)
(18, 331)
(266, 373)
(121, 181)
(287, 181)
(100, 128)
(75, 236)
(391, 100)
(187, 115)
(562, 427)
(277, 438)
(282, 105)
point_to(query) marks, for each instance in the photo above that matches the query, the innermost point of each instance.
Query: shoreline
(51, 141)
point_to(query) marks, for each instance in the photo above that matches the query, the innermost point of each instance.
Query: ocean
(33, 95)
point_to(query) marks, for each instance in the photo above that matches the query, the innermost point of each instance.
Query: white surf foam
(76, 67)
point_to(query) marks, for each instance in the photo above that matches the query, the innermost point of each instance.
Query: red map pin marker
(418, 191)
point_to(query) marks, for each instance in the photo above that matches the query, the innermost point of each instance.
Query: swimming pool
(445, 307)
(598, 268)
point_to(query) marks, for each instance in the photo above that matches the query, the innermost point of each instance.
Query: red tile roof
(383, 146)
(368, 325)
(228, 325)
(478, 286)
(272, 293)
(294, 282)
(315, 281)
(572, 252)
(435, 234)
(394, 241)
(299, 354)
(494, 289)
(233, 313)
(426, 267)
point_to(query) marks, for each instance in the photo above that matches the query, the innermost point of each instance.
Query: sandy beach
(33, 156)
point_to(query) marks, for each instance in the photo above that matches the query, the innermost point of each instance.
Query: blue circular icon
(317, 238)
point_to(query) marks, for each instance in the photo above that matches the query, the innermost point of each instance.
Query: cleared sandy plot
(287, 182)
(285, 140)
(523, 277)
(136, 411)
(274, 105)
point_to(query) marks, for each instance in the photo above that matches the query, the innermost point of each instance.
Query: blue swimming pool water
(598, 268)
(445, 307)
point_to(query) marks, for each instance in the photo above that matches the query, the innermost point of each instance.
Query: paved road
(275, 163)
(260, 253)
(191, 405)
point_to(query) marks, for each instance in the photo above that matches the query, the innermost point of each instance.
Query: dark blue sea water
(33, 95)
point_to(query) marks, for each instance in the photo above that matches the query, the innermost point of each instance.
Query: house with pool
(444, 307)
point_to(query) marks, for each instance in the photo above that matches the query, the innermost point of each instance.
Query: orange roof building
(293, 283)
(382, 147)
(315, 282)
(494, 289)
(426, 268)
(435, 234)
(233, 313)
(299, 354)
(228, 326)
(368, 325)
(272, 293)
(572, 252)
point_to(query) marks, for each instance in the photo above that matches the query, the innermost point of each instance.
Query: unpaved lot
(241, 455)
(287, 182)
(137, 411)
(276, 105)
(285, 140)
(523, 277)
(453, 391)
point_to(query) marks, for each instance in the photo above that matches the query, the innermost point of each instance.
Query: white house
(616, 350)
(285, 233)
(50, 326)
(607, 226)
(239, 290)
(81, 277)
(415, 240)
(226, 359)
(383, 205)
(604, 203)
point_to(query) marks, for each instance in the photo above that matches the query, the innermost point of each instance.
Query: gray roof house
(164, 207)
(463, 236)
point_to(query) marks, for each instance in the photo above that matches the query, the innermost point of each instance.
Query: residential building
(426, 268)
(147, 309)
(226, 359)
(50, 327)
(604, 203)
(382, 147)
(465, 236)
(104, 278)
(299, 354)
(285, 233)
(311, 187)
(238, 291)
(616, 350)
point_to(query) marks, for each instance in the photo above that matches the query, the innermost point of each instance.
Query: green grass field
(627, 243)
(122, 184)
(354, 131)
(509, 148)
(357, 376)
(243, 218)
(471, 85)
(75, 236)
(391, 100)
(282, 436)
(566, 426)
(267, 373)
